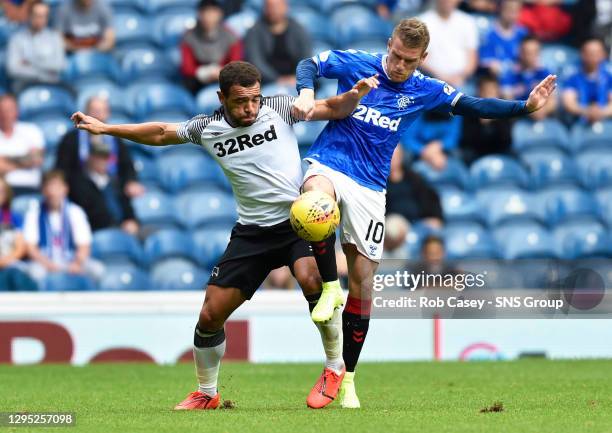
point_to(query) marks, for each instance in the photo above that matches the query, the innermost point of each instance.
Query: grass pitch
(520, 396)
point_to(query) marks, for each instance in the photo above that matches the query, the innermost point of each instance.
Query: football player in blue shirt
(350, 160)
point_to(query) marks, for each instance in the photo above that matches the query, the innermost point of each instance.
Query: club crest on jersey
(373, 249)
(404, 101)
(375, 117)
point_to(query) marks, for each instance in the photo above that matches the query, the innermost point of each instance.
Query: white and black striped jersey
(261, 161)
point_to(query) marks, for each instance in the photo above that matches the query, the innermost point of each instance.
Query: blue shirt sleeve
(572, 82)
(339, 64)
(440, 96)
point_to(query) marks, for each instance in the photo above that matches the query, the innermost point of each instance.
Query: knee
(309, 281)
(209, 321)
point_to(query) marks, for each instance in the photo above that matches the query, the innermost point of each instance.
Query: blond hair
(412, 32)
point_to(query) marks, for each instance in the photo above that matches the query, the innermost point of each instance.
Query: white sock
(331, 336)
(208, 359)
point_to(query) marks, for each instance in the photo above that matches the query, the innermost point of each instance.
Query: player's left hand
(540, 93)
(363, 86)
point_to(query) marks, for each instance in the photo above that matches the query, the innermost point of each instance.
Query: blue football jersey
(362, 144)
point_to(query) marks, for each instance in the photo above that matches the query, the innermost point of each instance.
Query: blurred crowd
(488, 48)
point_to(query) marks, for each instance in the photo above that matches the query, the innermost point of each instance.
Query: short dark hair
(53, 175)
(432, 239)
(203, 4)
(530, 38)
(241, 74)
(487, 77)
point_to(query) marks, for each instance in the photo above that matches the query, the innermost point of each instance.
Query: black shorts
(253, 252)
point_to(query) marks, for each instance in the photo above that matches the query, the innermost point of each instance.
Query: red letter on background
(54, 337)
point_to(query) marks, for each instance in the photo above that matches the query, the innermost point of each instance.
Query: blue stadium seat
(307, 132)
(207, 100)
(274, 89)
(7, 29)
(116, 246)
(355, 22)
(241, 22)
(131, 28)
(169, 28)
(163, 100)
(22, 203)
(321, 46)
(155, 209)
(565, 204)
(597, 136)
(178, 274)
(201, 208)
(210, 244)
(54, 129)
(177, 172)
(328, 88)
(604, 198)
(328, 6)
(512, 207)
(62, 282)
(122, 6)
(3, 78)
(546, 170)
(455, 174)
(547, 133)
(595, 168)
(469, 244)
(154, 7)
(556, 57)
(372, 45)
(111, 92)
(575, 238)
(125, 278)
(460, 206)
(37, 100)
(90, 67)
(493, 170)
(147, 64)
(145, 165)
(317, 24)
(169, 243)
(525, 242)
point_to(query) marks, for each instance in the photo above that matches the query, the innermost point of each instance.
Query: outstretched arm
(151, 133)
(341, 106)
(492, 108)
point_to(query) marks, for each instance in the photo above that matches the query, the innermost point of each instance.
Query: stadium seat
(546, 170)
(116, 246)
(597, 136)
(328, 6)
(145, 166)
(493, 170)
(555, 57)
(460, 206)
(274, 89)
(469, 244)
(54, 129)
(241, 22)
(317, 24)
(512, 206)
(131, 28)
(595, 168)
(169, 28)
(63, 282)
(414, 239)
(155, 209)
(577, 238)
(177, 172)
(525, 242)
(201, 208)
(307, 132)
(564, 204)
(356, 22)
(22, 203)
(178, 274)
(42, 99)
(154, 7)
(321, 46)
(210, 244)
(124, 278)
(162, 100)
(548, 133)
(168, 243)
(328, 88)
(7, 29)
(372, 45)
(90, 67)
(207, 100)
(122, 6)
(604, 198)
(111, 92)
(455, 174)
(147, 64)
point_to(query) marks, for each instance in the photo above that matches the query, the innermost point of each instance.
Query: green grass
(537, 395)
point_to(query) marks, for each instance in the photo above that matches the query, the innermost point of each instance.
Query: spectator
(280, 278)
(208, 47)
(433, 263)
(432, 137)
(546, 19)
(518, 83)
(487, 7)
(35, 54)
(485, 136)
(500, 50)
(57, 233)
(75, 147)
(21, 149)
(16, 10)
(453, 55)
(409, 195)
(588, 92)
(12, 245)
(276, 43)
(86, 24)
(395, 10)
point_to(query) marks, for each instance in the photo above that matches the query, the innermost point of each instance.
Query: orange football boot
(326, 389)
(199, 401)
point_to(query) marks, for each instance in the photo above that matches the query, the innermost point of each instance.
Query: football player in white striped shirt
(252, 139)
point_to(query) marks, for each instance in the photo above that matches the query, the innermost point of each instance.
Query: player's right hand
(304, 106)
(364, 85)
(87, 123)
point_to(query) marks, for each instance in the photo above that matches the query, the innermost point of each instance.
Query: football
(314, 216)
